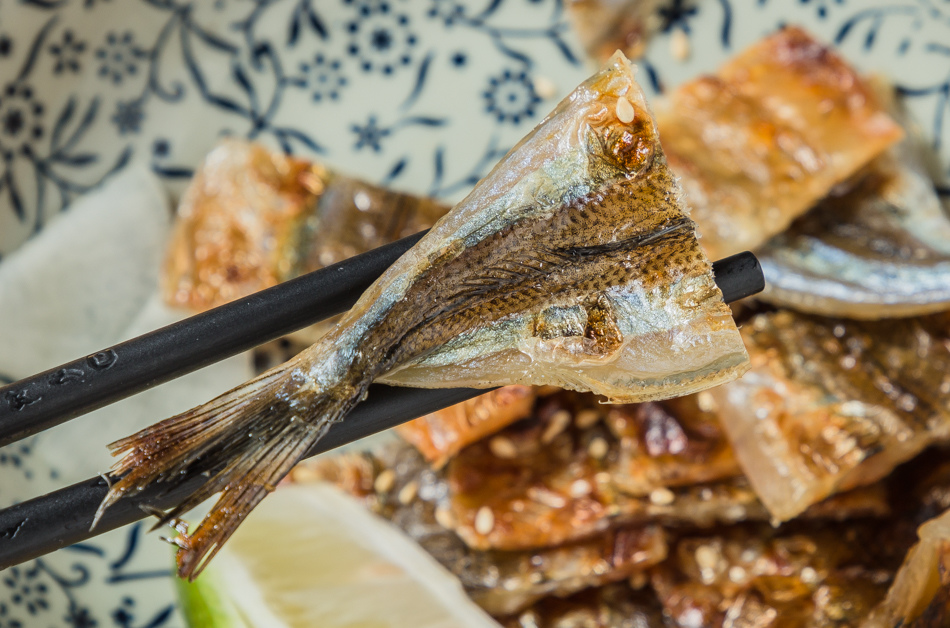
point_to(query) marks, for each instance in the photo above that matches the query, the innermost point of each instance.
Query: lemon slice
(310, 556)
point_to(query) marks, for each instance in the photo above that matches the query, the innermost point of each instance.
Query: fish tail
(244, 441)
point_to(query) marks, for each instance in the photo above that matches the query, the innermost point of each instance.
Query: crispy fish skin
(882, 250)
(571, 263)
(252, 217)
(397, 485)
(832, 404)
(442, 434)
(545, 488)
(809, 576)
(610, 606)
(770, 134)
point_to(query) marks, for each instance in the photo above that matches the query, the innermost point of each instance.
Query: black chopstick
(63, 517)
(37, 403)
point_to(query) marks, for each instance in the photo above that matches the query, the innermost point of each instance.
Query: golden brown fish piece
(832, 404)
(572, 263)
(252, 218)
(770, 134)
(397, 485)
(610, 606)
(805, 576)
(881, 250)
(441, 435)
(555, 482)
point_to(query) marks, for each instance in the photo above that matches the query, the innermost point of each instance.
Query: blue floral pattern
(424, 95)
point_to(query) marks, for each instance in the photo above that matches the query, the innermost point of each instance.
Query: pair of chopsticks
(31, 405)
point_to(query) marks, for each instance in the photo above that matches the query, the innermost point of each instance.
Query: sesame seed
(625, 112)
(503, 447)
(737, 574)
(586, 418)
(679, 45)
(484, 520)
(597, 448)
(706, 557)
(444, 518)
(547, 497)
(558, 423)
(662, 496)
(809, 575)
(580, 488)
(408, 493)
(385, 481)
(544, 87)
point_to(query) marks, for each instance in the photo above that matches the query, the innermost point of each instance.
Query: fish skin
(830, 404)
(881, 250)
(501, 582)
(582, 213)
(771, 133)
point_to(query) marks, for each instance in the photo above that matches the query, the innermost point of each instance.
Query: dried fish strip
(832, 404)
(252, 218)
(441, 435)
(882, 250)
(769, 135)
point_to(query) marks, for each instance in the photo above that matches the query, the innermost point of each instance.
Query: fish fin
(245, 441)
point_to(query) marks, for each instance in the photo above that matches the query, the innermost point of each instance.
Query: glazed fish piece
(805, 576)
(610, 606)
(441, 435)
(547, 481)
(770, 134)
(832, 404)
(882, 250)
(398, 485)
(572, 263)
(252, 218)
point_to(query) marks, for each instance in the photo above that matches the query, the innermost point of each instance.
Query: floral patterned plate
(422, 95)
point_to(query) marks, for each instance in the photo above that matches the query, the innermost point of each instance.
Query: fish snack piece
(771, 133)
(830, 404)
(881, 250)
(572, 263)
(252, 218)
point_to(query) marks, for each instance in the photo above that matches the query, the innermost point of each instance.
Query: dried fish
(770, 134)
(610, 606)
(560, 492)
(252, 218)
(441, 435)
(572, 263)
(814, 576)
(832, 404)
(882, 250)
(502, 583)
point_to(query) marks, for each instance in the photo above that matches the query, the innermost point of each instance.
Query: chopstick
(44, 524)
(37, 403)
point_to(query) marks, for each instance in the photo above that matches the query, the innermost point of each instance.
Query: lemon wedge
(311, 556)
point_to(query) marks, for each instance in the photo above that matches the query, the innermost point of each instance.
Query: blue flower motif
(677, 14)
(324, 77)
(21, 120)
(369, 135)
(449, 11)
(128, 116)
(6, 45)
(821, 6)
(381, 40)
(119, 56)
(79, 617)
(6, 621)
(67, 53)
(26, 592)
(511, 97)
